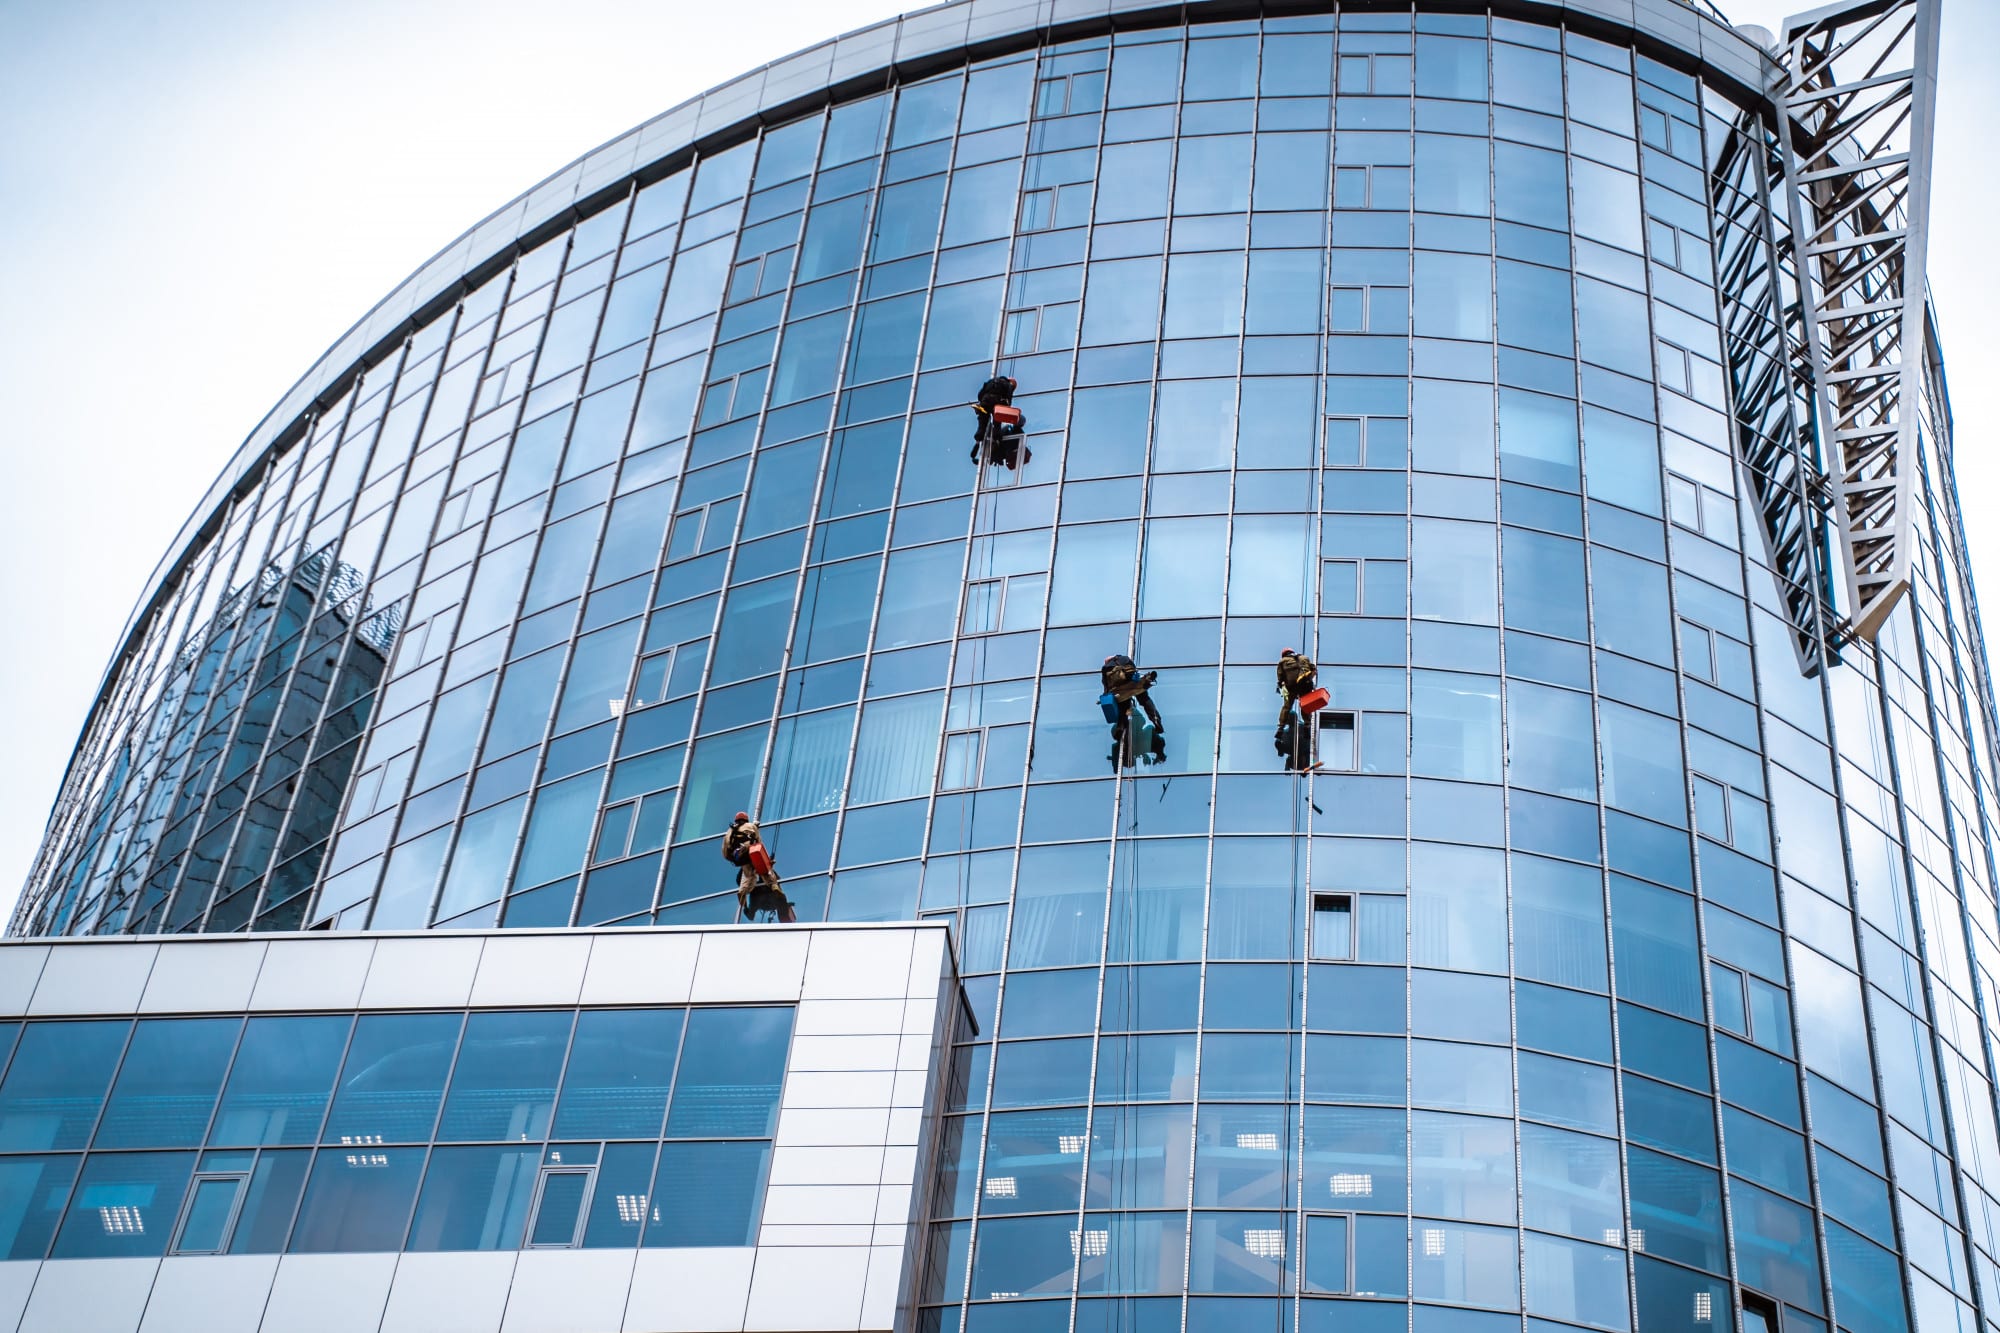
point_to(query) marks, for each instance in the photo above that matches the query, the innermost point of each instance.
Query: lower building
(705, 1131)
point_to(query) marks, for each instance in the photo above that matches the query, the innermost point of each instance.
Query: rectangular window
(1373, 187)
(1339, 741)
(699, 531)
(1683, 502)
(1070, 94)
(961, 760)
(1697, 650)
(562, 1198)
(1382, 75)
(210, 1216)
(999, 606)
(1366, 441)
(1333, 927)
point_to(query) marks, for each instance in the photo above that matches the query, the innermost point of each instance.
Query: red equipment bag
(1312, 701)
(1003, 415)
(760, 859)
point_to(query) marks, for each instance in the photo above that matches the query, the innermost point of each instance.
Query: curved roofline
(876, 57)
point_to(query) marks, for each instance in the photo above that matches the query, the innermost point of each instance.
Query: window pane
(281, 1081)
(1569, 1182)
(708, 1193)
(562, 1201)
(1326, 1254)
(620, 1201)
(268, 1205)
(167, 1086)
(358, 1200)
(57, 1082)
(32, 1193)
(208, 1215)
(125, 1205)
(475, 1198)
(620, 1063)
(393, 1079)
(732, 1064)
(1455, 726)
(504, 1086)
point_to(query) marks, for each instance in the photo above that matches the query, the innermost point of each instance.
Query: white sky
(198, 196)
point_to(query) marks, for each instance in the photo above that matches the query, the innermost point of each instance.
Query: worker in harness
(1297, 677)
(1298, 683)
(759, 894)
(1000, 425)
(1123, 686)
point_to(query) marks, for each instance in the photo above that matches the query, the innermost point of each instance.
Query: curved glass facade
(1614, 969)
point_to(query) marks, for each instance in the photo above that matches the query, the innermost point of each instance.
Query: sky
(197, 197)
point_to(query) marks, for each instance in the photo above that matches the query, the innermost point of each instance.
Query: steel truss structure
(1856, 103)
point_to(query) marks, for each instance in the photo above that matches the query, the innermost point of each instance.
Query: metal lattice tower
(1857, 101)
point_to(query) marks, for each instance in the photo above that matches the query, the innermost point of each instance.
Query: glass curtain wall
(1423, 342)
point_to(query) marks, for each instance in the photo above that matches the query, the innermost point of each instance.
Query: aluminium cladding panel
(876, 1009)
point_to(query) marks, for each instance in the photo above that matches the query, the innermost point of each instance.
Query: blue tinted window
(1663, 1047)
(1669, 1118)
(1022, 1175)
(1243, 1064)
(732, 1062)
(1145, 1068)
(358, 1199)
(1762, 1082)
(620, 1062)
(1040, 1073)
(32, 1193)
(272, 1196)
(1462, 1166)
(282, 1080)
(1679, 1207)
(1356, 999)
(620, 1196)
(504, 1085)
(1568, 1092)
(124, 1205)
(57, 1083)
(708, 1194)
(475, 1199)
(1243, 1156)
(1356, 1069)
(1774, 1245)
(393, 1079)
(1569, 1183)
(1134, 1159)
(167, 1086)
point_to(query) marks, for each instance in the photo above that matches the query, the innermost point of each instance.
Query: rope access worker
(999, 433)
(759, 894)
(1297, 677)
(1124, 685)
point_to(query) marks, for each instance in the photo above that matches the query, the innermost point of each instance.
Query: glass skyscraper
(1624, 961)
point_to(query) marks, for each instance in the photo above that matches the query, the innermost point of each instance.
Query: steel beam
(1857, 99)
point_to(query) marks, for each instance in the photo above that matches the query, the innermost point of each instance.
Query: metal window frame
(242, 1179)
(543, 1171)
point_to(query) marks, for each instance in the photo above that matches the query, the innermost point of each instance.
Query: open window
(562, 1196)
(209, 1218)
(1760, 1315)
(1333, 927)
(1339, 740)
